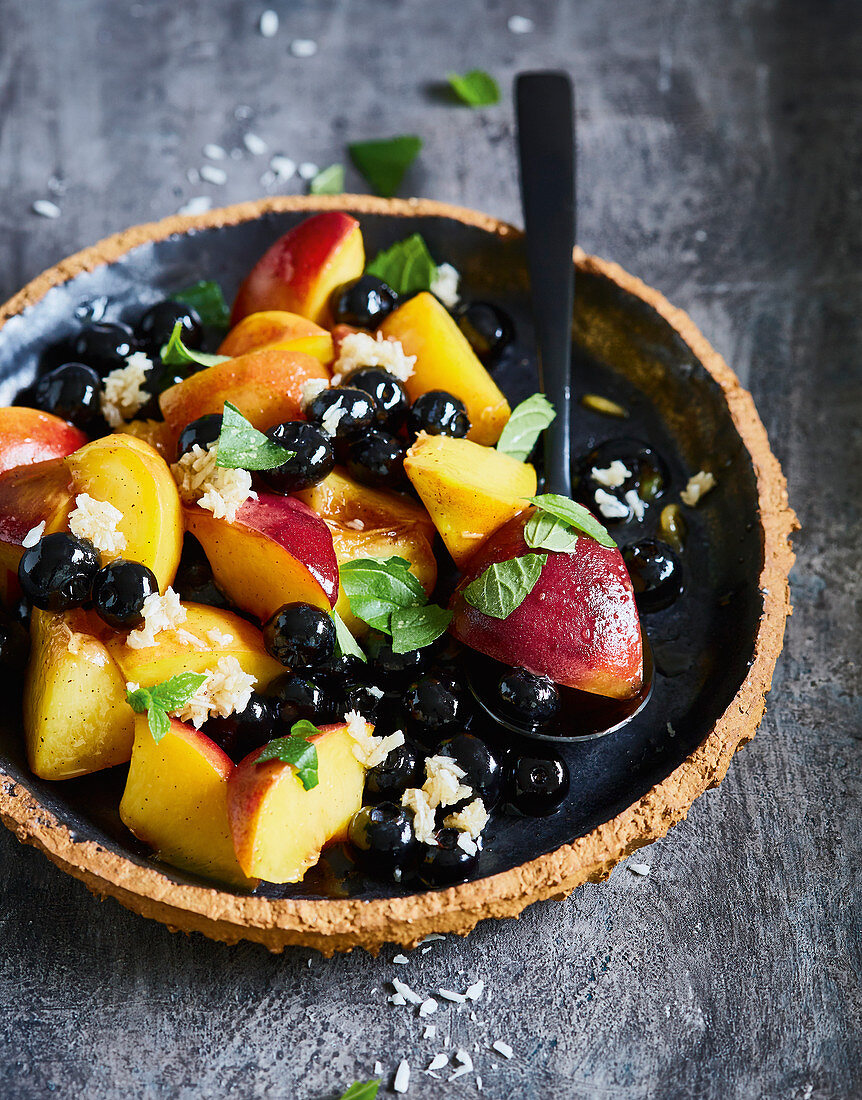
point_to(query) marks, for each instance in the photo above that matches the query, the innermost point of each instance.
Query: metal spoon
(546, 152)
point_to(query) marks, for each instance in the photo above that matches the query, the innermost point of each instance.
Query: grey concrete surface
(721, 160)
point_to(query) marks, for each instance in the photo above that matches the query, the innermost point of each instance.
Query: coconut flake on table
(402, 1077)
(451, 995)
(428, 1007)
(438, 1062)
(303, 47)
(405, 991)
(308, 170)
(212, 174)
(268, 25)
(197, 205)
(465, 1064)
(401, 960)
(520, 24)
(214, 152)
(283, 167)
(474, 991)
(33, 535)
(46, 209)
(360, 349)
(430, 1031)
(255, 145)
(502, 1048)
(698, 486)
(97, 521)
(639, 868)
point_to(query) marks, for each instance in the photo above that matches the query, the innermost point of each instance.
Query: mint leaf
(169, 696)
(383, 163)
(296, 751)
(361, 1090)
(206, 297)
(347, 644)
(525, 425)
(242, 447)
(376, 587)
(575, 515)
(416, 627)
(476, 88)
(328, 181)
(176, 354)
(546, 532)
(407, 266)
(504, 586)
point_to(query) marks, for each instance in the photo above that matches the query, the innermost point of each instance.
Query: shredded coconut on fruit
(416, 801)
(33, 535)
(359, 349)
(97, 521)
(162, 614)
(218, 638)
(310, 389)
(472, 819)
(444, 285)
(225, 691)
(124, 394)
(613, 476)
(698, 486)
(221, 491)
(333, 416)
(443, 786)
(368, 749)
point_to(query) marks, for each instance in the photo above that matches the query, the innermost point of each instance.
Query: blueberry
(538, 783)
(638, 478)
(203, 431)
(656, 573)
(365, 699)
(377, 459)
(447, 861)
(71, 392)
(119, 591)
(246, 730)
(300, 636)
(389, 666)
(433, 705)
(382, 839)
(341, 411)
(488, 329)
(295, 697)
(57, 573)
(484, 772)
(154, 328)
(532, 699)
(403, 767)
(363, 303)
(194, 580)
(104, 346)
(388, 391)
(438, 413)
(313, 457)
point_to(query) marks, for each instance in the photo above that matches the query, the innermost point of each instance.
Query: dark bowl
(715, 648)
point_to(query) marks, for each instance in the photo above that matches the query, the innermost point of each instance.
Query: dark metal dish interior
(702, 645)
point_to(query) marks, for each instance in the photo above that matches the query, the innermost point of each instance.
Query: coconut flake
(212, 174)
(442, 786)
(609, 506)
(465, 1064)
(33, 535)
(451, 995)
(635, 503)
(360, 349)
(197, 205)
(124, 394)
(404, 989)
(428, 1007)
(438, 1062)
(218, 638)
(444, 285)
(502, 1048)
(639, 868)
(613, 476)
(310, 389)
(474, 991)
(308, 170)
(698, 486)
(430, 1031)
(221, 491)
(268, 25)
(402, 1077)
(283, 167)
(161, 614)
(472, 819)
(401, 960)
(368, 749)
(520, 24)
(423, 814)
(225, 691)
(255, 145)
(332, 417)
(214, 152)
(97, 521)
(46, 209)
(303, 47)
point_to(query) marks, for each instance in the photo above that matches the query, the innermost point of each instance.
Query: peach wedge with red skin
(28, 436)
(279, 828)
(265, 385)
(300, 271)
(176, 801)
(275, 328)
(276, 551)
(579, 625)
(29, 495)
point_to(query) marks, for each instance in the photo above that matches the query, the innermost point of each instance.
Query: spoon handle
(546, 153)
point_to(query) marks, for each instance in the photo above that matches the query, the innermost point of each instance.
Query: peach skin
(275, 328)
(28, 436)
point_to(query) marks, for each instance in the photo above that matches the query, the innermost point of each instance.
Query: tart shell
(332, 925)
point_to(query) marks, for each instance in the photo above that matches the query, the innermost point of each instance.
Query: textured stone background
(721, 149)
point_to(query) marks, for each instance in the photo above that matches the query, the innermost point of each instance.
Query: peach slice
(342, 500)
(176, 653)
(28, 436)
(155, 432)
(300, 271)
(132, 476)
(275, 552)
(266, 387)
(176, 801)
(29, 495)
(76, 718)
(279, 828)
(445, 361)
(275, 328)
(579, 625)
(469, 490)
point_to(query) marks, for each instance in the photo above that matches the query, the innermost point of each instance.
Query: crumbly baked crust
(340, 925)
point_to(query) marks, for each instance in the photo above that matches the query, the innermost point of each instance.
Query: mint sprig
(297, 751)
(504, 586)
(242, 447)
(407, 266)
(328, 181)
(347, 644)
(207, 299)
(164, 699)
(545, 532)
(525, 425)
(575, 515)
(383, 163)
(385, 594)
(361, 1090)
(476, 88)
(176, 354)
